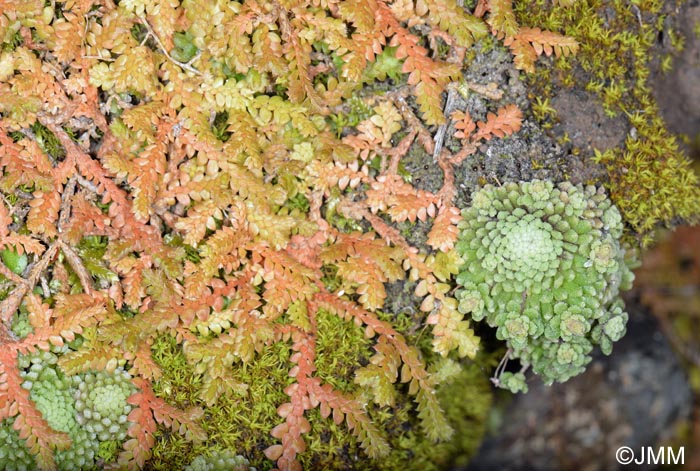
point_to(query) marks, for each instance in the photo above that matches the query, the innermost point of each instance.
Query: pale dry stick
(423, 136)
(87, 184)
(10, 304)
(66, 197)
(45, 287)
(445, 159)
(315, 204)
(77, 266)
(93, 13)
(106, 59)
(64, 215)
(439, 138)
(500, 368)
(10, 205)
(456, 56)
(489, 90)
(10, 275)
(638, 13)
(187, 66)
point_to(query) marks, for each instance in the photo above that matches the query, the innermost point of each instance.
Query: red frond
(150, 410)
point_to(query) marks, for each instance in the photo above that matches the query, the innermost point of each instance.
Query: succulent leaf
(544, 265)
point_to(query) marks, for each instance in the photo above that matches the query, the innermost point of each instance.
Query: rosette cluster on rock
(544, 265)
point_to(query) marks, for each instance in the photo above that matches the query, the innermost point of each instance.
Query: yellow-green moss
(234, 422)
(244, 423)
(650, 179)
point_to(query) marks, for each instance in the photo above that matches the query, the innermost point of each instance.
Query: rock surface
(631, 398)
(678, 91)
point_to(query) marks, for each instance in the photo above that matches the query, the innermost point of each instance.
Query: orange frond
(506, 122)
(444, 232)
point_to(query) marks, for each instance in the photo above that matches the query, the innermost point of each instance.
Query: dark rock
(583, 118)
(678, 91)
(631, 398)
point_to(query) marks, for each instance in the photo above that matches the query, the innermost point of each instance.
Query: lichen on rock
(543, 264)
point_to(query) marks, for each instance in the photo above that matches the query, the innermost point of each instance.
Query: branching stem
(185, 65)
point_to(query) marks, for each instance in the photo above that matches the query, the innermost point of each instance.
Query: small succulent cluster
(100, 402)
(89, 408)
(225, 460)
(543, 264)
(14, 456)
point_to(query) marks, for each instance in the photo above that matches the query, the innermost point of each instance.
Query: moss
(184, 49)
(357, 110)
(220, 126)
(108, 450)
(244, 423)
(466, 399)
(650, 179)
(341, 348)
(385, 66)
(92, 250)
(48, 142)
(239, 423)
(543, 111)
(12, 42)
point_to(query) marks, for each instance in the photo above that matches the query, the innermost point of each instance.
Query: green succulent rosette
(14, 455)
(543, 264)
(52, 393)
(101, 403)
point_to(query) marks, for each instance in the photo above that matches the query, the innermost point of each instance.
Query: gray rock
(631, 398)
